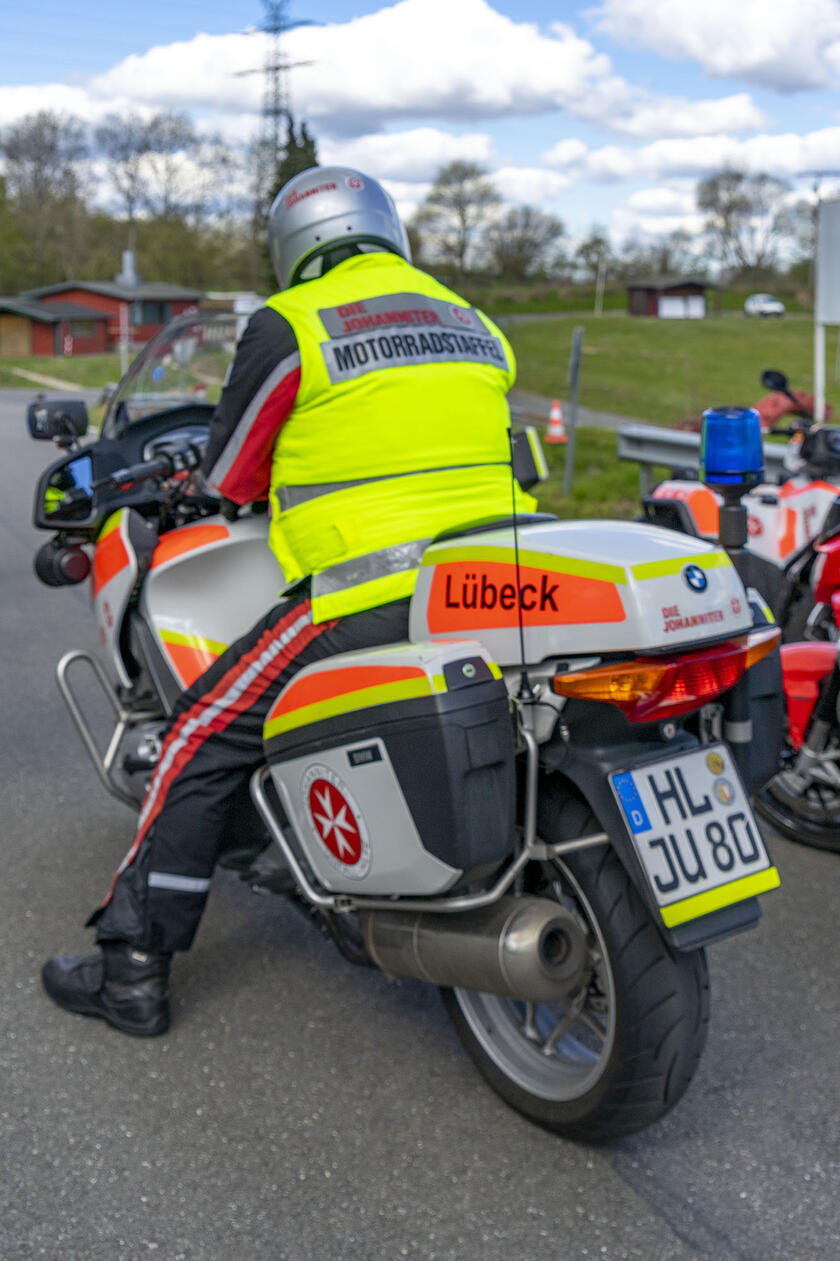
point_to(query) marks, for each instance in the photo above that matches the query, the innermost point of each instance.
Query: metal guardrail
(651, 447)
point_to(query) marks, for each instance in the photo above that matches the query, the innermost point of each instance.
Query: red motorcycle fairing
(804, 666)
(825, 577)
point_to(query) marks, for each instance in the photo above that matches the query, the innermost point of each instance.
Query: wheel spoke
(566, 1024)
(529, 1025)
(592, 1023)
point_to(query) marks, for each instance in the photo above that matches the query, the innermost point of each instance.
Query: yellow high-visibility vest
(399, 430)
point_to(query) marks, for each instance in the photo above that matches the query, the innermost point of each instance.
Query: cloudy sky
(606, 112)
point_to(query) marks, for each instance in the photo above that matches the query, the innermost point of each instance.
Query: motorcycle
(803, 800)
(780, 402)
(516, 804)
(787, 524)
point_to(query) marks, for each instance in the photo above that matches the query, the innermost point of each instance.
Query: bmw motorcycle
(521, 804)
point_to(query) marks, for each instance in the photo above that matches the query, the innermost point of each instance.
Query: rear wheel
(616, 1056)
(808, 815)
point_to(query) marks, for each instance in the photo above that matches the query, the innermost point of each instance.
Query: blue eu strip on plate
(631, 802)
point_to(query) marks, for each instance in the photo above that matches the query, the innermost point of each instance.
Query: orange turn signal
(651, 688)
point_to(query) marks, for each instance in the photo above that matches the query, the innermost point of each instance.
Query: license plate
(693, 829)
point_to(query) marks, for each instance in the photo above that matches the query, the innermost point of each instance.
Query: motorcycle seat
(494, 523)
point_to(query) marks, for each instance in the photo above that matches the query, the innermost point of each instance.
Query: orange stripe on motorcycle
(190, 655)
(110, 556)
(701, 502)
(787, 543)
(482, 595)
(188, 538)
(789, 491)
(326, 685)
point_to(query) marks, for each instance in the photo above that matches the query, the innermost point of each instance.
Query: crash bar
(652, 446)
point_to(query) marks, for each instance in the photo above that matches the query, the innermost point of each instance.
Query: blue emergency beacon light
(731, 461)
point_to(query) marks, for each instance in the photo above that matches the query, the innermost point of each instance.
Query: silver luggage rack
(104, 763)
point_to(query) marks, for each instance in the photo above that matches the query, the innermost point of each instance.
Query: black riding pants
(212, 746)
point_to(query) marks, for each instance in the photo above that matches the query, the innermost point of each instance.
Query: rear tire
(796, 819)
(632, 1051)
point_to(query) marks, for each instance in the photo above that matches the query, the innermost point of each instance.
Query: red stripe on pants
(163, 780)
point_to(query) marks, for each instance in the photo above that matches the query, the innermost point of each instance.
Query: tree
(743, 217)
(460, 200)
(124, 141)
(12, 246)
(298, 154)
(592, 251)
(798, 224)
(44, 155)
(171, 143)
(673, 254)
(519, 241)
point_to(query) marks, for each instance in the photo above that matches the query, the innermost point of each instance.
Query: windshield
(186, 362)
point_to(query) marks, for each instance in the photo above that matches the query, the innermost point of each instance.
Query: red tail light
(651, 688)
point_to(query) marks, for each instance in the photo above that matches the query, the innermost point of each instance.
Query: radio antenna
(526, 692)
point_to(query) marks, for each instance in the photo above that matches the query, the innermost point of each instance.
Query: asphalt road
(305, 1110)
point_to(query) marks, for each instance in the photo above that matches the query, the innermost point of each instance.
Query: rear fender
(586, 768)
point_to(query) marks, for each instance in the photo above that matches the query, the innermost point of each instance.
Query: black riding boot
(124, 985)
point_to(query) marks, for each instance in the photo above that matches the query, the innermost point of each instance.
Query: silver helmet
(324, 209)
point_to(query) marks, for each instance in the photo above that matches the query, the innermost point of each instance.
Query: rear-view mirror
(49, 418)
(64, 497)
(775, 381)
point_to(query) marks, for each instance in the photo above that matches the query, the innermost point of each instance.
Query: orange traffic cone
(556, 432)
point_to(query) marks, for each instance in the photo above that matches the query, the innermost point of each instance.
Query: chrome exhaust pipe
(526, 948)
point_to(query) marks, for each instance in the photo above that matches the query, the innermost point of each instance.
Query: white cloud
(417, 59)
(529, 186)
(205, 72)
(669, 116)
(662, 201)
(414, 155)
(787, 44)
(628, 222)
(566, 153)
(785, 156)
(62, 98)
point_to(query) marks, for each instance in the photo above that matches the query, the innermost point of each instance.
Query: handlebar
(166, 464)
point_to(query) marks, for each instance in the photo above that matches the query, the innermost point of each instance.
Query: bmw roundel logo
(695, 578)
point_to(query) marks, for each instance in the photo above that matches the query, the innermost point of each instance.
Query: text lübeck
(476, 592)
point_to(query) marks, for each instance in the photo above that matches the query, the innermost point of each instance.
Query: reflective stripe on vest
(398, 559)
(294, 496)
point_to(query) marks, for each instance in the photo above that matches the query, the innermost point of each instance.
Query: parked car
(763, 304)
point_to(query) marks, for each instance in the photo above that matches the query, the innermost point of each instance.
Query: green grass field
(91, 371)
(499, 299)
(662, 371)
(603, 486)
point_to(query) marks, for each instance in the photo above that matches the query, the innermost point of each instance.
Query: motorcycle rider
(367, 402)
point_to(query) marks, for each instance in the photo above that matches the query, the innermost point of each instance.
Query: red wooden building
(57, 328)
(142, 309)
(668, 297)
